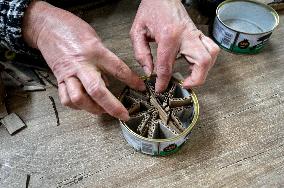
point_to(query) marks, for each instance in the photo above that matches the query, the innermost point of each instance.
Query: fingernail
(124, 116)
(158, 89)
(147, 71)
(186, 86)
(142, 87)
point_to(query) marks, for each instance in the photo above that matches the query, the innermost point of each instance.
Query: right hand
(78, 59)
(173, 30)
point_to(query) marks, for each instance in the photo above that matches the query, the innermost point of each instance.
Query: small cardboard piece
(13, 123)
(33, 88)
(143, 126)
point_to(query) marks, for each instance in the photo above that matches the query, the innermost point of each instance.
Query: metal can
(161, 147)
(244, 26)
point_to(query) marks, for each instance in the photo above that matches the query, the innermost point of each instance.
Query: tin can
(161, 147)
(244, 26)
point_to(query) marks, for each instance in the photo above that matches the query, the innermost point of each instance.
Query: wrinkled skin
(79, 60)
(167, 23)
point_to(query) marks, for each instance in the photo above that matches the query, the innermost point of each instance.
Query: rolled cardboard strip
(135, 121)
(153, 131)
(178, 102)
(143, 126)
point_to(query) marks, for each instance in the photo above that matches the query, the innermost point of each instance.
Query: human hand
(78, 59)
(168, 24)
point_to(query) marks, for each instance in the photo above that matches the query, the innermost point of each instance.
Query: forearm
(34, 21)
(45, 24)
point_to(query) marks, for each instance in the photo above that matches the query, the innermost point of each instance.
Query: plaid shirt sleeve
(11, 16)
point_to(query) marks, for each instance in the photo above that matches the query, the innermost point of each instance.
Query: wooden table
(237, 142)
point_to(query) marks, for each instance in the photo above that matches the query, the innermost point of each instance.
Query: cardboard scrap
(3, 110)
(17, 71)
(33, 88)
(21, 77)
(13, 123)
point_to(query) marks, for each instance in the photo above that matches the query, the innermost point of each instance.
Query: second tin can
(244, 26)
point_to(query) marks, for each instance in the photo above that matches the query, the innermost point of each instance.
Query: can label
(224, 36)
(153, 148)
(139, 144)
(250, 44)
(167, 148)
(238, 42)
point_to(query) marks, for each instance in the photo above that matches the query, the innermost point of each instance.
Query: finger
(95, 87)
(197, 77)
(201, 63)
(142, 50)
(105, 79)
(64, 97)
(117, 68)
(192, 47)
(166, 55)
(211, 47)
(80, 98)
(197, 54)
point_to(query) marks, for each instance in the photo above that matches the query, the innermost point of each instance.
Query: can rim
(274, 13)
(184, 133)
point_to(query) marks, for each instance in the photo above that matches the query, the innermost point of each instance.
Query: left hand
(78, 59)
(167, 23)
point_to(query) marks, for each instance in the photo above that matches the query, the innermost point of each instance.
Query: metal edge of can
(184, 133)
(275, 14)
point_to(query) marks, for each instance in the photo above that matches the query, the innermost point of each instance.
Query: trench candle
(159, 123)
(244, 26)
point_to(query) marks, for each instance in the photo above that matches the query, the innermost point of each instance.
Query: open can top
(247, 16)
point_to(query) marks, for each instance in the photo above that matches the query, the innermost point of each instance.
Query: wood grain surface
(237, 142)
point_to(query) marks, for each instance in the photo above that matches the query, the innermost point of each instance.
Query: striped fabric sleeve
(11, 16)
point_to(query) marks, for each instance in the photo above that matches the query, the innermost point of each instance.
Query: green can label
(153, 148)
(150, 148)
(238, 42)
